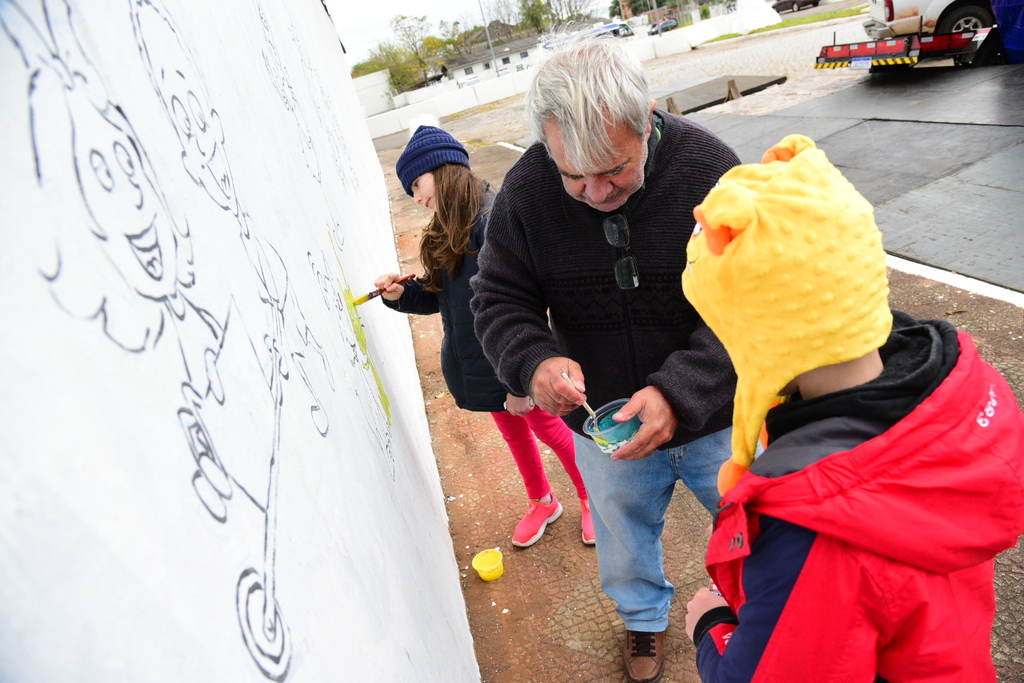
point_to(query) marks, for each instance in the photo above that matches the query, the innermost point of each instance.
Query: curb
(785, 29)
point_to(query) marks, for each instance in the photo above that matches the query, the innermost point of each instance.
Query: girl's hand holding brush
(388, 286)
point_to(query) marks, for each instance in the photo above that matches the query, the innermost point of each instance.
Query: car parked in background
(617, 30)
(662, 26)
(793, 5)
(891, 18)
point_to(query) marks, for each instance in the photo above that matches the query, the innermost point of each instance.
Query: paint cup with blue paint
(608, 434)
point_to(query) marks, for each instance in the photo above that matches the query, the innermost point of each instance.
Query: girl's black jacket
(467, 372)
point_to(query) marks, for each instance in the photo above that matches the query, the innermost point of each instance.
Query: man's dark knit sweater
(547, 251)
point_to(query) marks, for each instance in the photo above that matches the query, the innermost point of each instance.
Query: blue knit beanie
(428, 148)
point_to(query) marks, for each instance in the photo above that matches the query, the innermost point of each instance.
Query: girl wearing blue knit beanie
(434, 171)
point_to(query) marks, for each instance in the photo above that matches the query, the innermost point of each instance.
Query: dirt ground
(546, 619)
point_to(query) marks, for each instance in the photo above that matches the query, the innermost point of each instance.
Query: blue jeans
(628, 499)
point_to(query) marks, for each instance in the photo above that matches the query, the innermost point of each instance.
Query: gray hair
(585, 86)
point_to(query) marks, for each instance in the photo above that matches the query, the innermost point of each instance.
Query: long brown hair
(458, 195)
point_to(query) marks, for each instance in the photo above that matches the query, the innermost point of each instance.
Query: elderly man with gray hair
(578, 299)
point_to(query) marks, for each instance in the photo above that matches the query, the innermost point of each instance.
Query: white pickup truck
(890, 18)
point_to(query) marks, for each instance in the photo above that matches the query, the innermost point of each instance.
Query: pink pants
(521, 434)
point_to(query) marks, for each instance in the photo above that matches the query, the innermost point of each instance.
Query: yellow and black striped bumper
(894, 61)
(888, 61)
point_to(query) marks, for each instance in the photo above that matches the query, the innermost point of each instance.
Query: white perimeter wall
(212, 466)
(374, 92)
(437, 102)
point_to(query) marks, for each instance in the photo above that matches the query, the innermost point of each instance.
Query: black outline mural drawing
(121, 258)
(201, 136)
(279, 76)
(327, 119)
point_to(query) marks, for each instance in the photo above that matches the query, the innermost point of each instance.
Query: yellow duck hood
(788, 270)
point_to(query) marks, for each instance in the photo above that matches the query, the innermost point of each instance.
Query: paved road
(788, 52)
(934, 149)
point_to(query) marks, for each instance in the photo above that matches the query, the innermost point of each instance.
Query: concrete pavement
(938, 152)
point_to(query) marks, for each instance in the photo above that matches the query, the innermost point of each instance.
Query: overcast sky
(365, 23)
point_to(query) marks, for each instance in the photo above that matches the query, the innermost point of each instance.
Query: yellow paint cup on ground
(488, 564)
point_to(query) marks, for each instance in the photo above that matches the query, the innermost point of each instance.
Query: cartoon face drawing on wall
(196, 123)
(128, 216)
(118, 255)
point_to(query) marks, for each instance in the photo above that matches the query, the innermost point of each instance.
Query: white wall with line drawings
(213, 467)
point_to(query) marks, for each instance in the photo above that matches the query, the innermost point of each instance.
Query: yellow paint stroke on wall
(357, 327)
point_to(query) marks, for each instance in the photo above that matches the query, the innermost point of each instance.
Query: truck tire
(965, 18)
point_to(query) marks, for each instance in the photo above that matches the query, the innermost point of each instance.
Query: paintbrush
(586, 406)
(377, 292)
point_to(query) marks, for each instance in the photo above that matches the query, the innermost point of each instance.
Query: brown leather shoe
(644, 654)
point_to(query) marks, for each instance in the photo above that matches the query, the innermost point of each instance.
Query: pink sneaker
(532, 526)
(587, 523)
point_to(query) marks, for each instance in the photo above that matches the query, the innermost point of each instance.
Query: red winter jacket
(875, 563)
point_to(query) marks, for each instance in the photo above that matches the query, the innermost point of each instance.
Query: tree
(505, 11)
(571, 10)
(403, 72)
(438, 49)
(638, 7)
(534, 14)
(413, 34)
(455, 39)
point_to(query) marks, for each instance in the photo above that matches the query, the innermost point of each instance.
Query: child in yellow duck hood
(786, 266)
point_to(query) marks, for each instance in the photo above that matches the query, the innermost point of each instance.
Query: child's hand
(386, 282)
(518, 405)
(702, 601)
